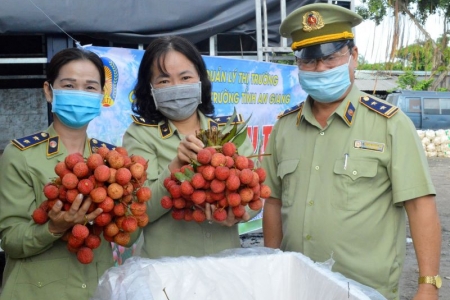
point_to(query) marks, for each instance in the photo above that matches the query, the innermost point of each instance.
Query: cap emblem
(312, 20)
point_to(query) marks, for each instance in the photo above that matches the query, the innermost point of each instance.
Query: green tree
(418, 11)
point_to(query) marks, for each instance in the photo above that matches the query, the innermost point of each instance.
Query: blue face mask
(76, 108)
(327, 86)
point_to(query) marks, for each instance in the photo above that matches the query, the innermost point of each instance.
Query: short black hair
(68, 55)
(143, 103)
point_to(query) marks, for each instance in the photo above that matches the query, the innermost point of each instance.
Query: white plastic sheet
(251, 273)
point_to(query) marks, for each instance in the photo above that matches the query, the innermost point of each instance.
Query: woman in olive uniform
(173, 101)
(38, 263)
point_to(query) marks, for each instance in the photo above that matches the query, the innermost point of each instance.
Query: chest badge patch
(367, 145)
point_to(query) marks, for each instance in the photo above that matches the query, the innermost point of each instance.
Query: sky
(372, 41)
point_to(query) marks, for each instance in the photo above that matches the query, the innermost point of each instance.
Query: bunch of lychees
(220, 176)
(114, 182)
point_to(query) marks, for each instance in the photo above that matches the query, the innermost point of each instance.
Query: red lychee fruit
(198, 215)
(103, 151)
(111, 229)
(238, 211)
(94, 160)
(217, 186)
(138, 208)
(175, 191)
(241, 162)
(142, 220)
(246, 195)
(106, 205)
(220, 214)
(204, 156)
(137, 170)
(265, 191)
(230, 162)
(61, 169)
(198, 197)
(222, 172)
(183, 168)
(72, 159)
(262, 174)
(74, 241)
(208, 172)
(112, 175)
(103, 219)
(229, 149)
(115, 159)
(218, 159)
(71, 195)
(98, 194)
(129, 224)
(80, 231)
(70, 181)
(198, 181)
(115, 191)
(102, 173)
(40, 216)
(179, 203)
(85, 186)
(188, 215)
(178, 214)
(255, 180)
(128, 189)
(186, 188)
(122, 151)
(211, 149)
(85, 255)
(246, 176)
(232, 183)
(255, 204)
(143, 194)
(166, 202)
(139, 159)
(122, 238)
(81, 169)
(233, 199)
(92, 241)
(119, 209)
(123, 176)
(51, 191)
(251, 163)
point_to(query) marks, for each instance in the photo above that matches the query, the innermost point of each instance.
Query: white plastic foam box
(250, 273)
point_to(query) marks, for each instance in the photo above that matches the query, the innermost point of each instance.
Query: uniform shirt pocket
(354, 182)
(289, 180)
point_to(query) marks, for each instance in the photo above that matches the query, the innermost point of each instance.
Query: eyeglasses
(329, 61)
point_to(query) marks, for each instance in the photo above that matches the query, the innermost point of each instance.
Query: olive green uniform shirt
(165, 236)
(342, 187)
(39, 265)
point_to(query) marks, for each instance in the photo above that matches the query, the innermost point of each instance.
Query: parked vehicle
(427, 110)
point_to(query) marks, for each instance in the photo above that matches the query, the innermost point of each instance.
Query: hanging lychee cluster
(220, 176)
(114, 182)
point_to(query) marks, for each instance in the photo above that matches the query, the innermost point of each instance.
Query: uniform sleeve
(270, 164)
(409, 170)
(138, 143)
(21, 237)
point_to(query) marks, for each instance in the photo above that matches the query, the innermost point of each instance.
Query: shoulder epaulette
(143, 121)
(222, 120)
(291, 110)
(94, 144)
(383, 108)
(31, 140)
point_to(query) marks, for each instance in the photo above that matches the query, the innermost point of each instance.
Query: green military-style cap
(319, 29)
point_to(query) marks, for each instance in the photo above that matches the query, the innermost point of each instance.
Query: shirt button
(317, 168)
(39, 284)
(308, 237)
(311, 203)
(322, 133)
(83, 286)
(354, 173)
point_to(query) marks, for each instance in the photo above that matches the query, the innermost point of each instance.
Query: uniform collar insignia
(381, 107)
(53, 146)
(349, 113)
(165, 130)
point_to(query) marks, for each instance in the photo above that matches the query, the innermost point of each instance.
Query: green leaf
(180, 176)
(240, 138)
(228, 125)
(243, 125)
(227, 137)
(189, 173)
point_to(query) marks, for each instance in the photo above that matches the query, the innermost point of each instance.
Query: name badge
(367, 145)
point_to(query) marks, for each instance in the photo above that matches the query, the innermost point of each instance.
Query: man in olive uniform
(345, 166)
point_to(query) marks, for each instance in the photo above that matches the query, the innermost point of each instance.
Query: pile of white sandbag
(436, 143)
